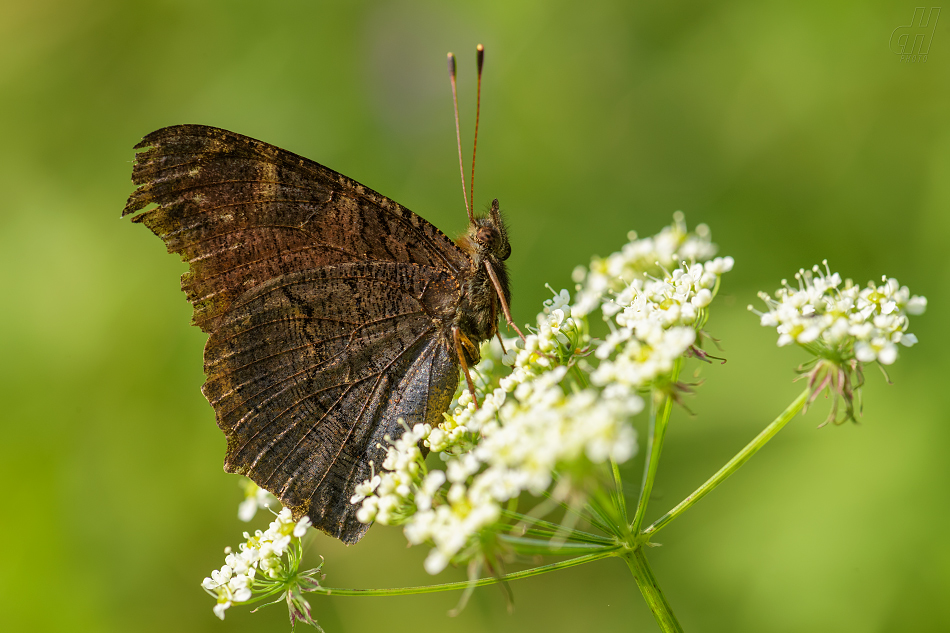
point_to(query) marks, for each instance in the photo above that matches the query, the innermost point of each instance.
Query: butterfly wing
(309, 373)
(240, 211)
(325, 302)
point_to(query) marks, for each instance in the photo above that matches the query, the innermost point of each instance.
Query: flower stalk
(650, 590)
(732, 465)
(480, 582)
(659, 418)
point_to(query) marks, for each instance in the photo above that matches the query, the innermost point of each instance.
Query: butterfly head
(487, 237)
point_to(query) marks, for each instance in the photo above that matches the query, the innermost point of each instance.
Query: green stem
(654, 597)
(579, 375)
(733, 464)
(594, 516)
(659, 416)
(618, 489)
(545, 529)
(551, 546)
(451, 586)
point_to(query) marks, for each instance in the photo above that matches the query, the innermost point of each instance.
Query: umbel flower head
(555, 409)
(843, 326)
(266, 565)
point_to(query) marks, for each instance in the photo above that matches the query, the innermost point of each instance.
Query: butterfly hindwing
(308, 372)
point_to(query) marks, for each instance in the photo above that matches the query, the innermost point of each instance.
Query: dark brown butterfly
(333, 311)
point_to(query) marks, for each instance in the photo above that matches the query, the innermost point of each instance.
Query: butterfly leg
(501, 342)
(501, 297)
(457, 335)
(494, 320)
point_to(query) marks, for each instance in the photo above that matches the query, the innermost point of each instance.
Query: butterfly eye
(485, 235)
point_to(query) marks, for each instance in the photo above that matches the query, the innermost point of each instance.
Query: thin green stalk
(659, 417)
(579, 376)
(594, 516)
(565, 535)
(545, 529)
(618, 485)
(451, 586)
(551, 546)
(602, 502)
(654, 597)
(568, 535)
(733, 464)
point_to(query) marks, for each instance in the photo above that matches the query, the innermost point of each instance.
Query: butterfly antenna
(458, 135)
(480, 56)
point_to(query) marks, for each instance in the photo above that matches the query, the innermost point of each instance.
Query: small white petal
(220, 608)
(916, 305)
(702, 299)
(864, 352)
(434, 563)
(888, 354)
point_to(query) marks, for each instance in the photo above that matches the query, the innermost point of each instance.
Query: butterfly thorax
(476, 315)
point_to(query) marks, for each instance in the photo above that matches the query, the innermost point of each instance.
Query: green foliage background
(790, 128)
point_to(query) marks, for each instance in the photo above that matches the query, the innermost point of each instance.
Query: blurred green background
(790, 128)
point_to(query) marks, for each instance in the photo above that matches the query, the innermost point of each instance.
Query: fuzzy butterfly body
(333, 312)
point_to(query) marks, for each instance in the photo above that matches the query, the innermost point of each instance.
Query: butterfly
(336, 316)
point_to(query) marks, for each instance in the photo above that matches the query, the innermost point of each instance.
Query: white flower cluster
(639, 257)
(525, 429)
(839, 321)
(549, 414)
(656, 323)
(543, 430)
(262, 554)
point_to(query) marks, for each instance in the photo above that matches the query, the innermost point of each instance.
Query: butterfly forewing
(328, 305)
(240, 212)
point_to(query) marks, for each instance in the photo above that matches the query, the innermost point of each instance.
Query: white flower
(255, 498)
(837, 320)
(220, 608)
(720, 265)
(561, 299)
(264, 551)
(435, 562)
(916, 305)
(364, 489)
(702, 299)
(643, 257)
(302, 526)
